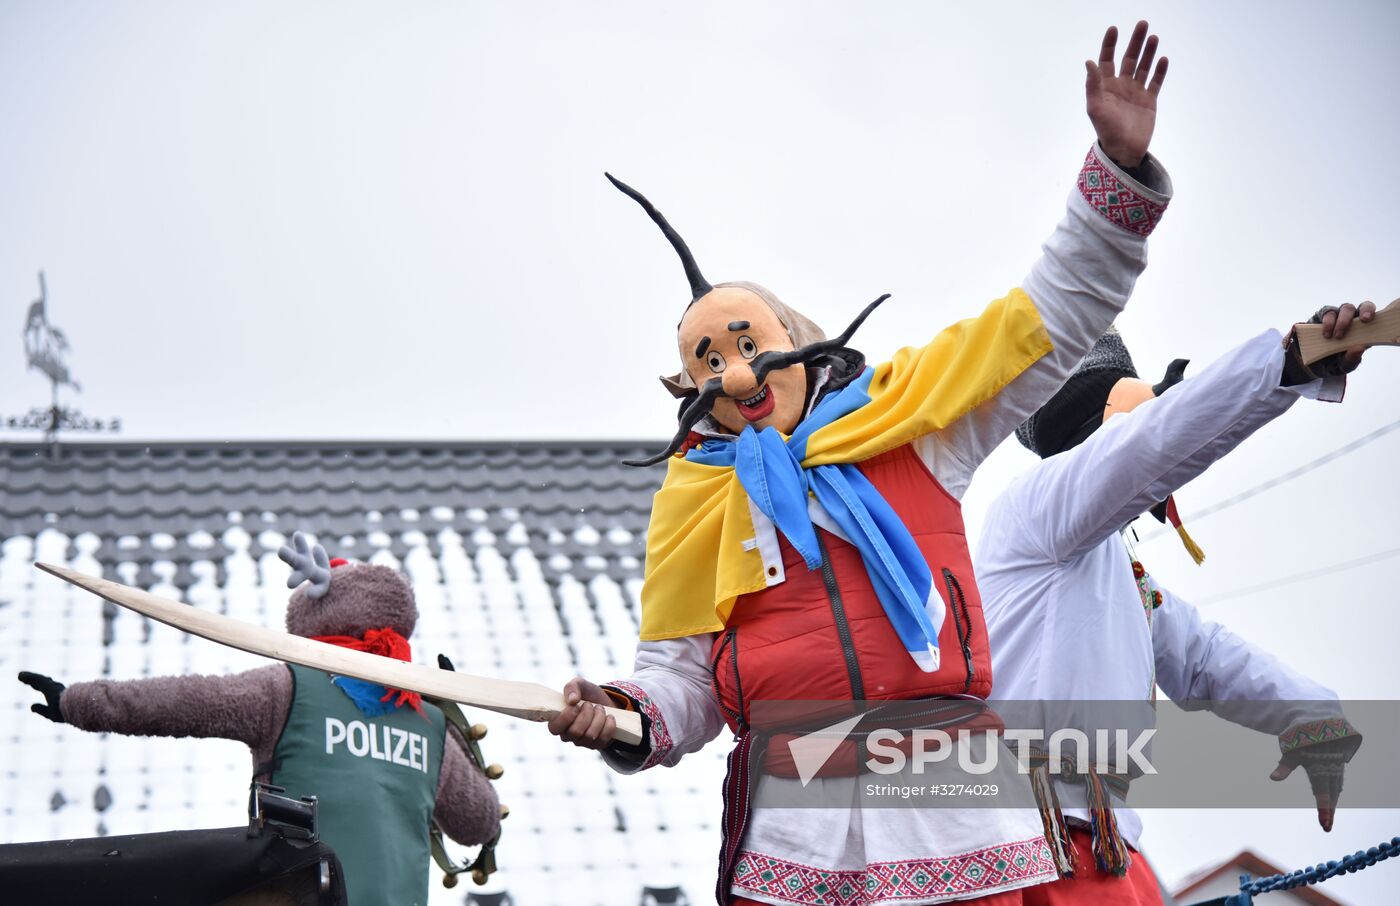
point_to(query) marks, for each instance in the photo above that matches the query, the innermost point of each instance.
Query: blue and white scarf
(770, 471)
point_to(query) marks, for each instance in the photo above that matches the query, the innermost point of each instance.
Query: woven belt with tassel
(1110, 852)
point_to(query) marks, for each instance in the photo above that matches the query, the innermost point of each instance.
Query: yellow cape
(696, 562)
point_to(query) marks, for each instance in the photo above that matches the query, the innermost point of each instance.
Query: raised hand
(52, 691)
(1123, 105)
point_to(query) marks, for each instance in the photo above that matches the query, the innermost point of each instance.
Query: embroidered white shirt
(1079, 284)
(1064, 616)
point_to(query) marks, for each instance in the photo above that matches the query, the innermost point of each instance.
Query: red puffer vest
(822, 635)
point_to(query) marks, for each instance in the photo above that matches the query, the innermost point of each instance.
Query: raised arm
(1092, 260)
(1076, 499)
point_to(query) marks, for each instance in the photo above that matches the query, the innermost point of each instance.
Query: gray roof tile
(527, 558)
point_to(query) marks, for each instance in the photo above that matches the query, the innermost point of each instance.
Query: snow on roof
(526, 561)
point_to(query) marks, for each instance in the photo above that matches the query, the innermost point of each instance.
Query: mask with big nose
(722, 336)
(744, 354)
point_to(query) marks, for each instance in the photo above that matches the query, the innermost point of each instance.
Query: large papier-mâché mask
(720, 336)
(738, 354)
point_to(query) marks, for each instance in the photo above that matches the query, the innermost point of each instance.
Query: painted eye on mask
(716, 361)
(747, 347)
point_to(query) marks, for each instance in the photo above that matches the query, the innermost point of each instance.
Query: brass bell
(478, 731)
(449, 881)
(505, 811)
(494, 771)
(478, 876)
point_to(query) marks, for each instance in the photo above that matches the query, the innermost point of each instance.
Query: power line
(1302, 577)
(1286, 477)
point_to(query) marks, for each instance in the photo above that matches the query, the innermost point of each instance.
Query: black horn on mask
(765, 362)
(695, 410)
(1175, 374)
(698, 284)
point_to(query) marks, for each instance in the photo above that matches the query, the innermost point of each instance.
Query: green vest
(375, 779)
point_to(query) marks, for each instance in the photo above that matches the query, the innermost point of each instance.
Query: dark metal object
(283, 815)
(46, 345)
(55, 418)
(45, 348)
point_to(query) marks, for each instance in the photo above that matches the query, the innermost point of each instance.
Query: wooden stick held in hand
(1383, 330)
(528, 700)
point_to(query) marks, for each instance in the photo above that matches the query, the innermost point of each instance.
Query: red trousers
(1137, 888)
(1089, 885)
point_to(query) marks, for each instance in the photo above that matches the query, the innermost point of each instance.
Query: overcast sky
(311, 220)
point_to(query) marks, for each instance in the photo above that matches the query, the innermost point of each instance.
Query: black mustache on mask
(763, 364)
(696, 409)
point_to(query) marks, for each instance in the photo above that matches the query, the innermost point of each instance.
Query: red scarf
(384, 642)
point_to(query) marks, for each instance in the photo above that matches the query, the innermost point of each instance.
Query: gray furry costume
(253, 707)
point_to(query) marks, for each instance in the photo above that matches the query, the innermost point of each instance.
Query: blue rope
(1315, 875)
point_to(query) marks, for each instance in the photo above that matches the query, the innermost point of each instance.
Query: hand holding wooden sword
(1348, 329)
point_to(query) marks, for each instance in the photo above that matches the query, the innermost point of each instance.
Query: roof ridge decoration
(45, 349)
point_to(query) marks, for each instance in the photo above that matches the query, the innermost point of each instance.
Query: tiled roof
(526, 561)
(140, 495)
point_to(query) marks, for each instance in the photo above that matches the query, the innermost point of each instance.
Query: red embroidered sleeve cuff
(1127, 203)
(1332, 730)
(657, 736)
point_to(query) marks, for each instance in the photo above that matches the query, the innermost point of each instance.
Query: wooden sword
(1384, 330)
(531, 701)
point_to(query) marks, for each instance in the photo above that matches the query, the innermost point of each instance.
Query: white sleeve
(1203, 665)
(671, 687)
(1080, 283)
(1074, 500)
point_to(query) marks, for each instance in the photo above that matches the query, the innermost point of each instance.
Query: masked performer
(1074, 618)
(808, 543)
(378, 759)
